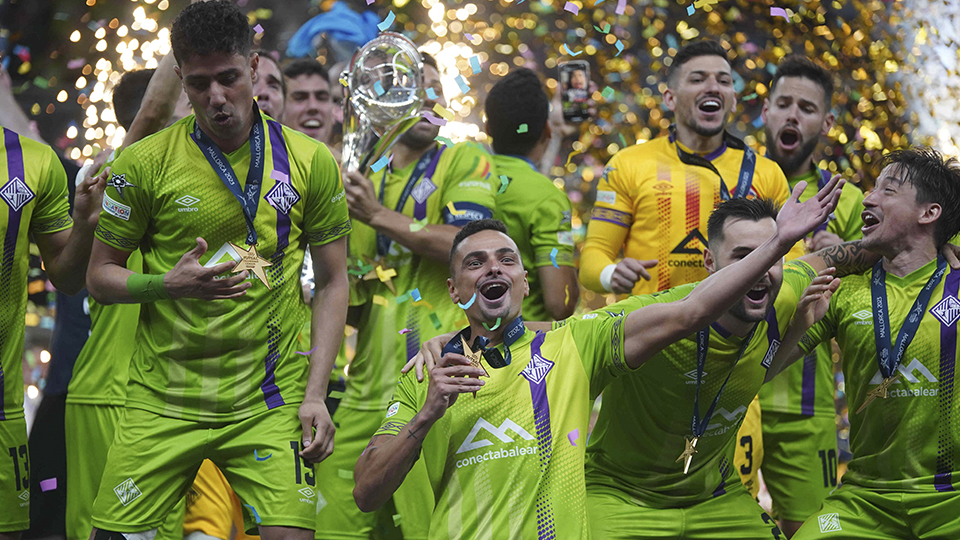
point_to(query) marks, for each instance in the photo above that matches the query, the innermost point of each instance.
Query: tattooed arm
(388, 458)
(848, 258)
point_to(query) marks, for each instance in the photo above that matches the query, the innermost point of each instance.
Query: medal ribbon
(249, 198)
(428, 161)
(697, 426)
(889, 357)
(747, 164)
(511, 333)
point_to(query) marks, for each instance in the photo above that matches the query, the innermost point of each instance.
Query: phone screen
(574, 85)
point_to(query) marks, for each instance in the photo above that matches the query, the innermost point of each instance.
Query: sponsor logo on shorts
(607, 197)
(25, 497)
(914, 372)
(865, 316)
(394, 409)
(829, 523)
(947, 311)
(127, 491)
(115, 208)
(187, 202)
(307, 495)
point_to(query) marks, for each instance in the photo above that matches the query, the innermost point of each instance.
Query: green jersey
(909, 441)
(537, 216)
(34, 193)
(458, 177)
(509, 463)
(635, 455)
(807, 387)
(228, 359)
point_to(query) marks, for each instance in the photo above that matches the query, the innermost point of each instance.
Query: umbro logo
(307, 492)
(865, 316)
(947, 311)
(692, 375)
(24, 495)
(501, 433)
(16, 194)
(663, 188)
(127, 491)
(187, 202)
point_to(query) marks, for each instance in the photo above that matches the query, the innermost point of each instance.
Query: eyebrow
(226, 72)
(705, 72)
(480, 253)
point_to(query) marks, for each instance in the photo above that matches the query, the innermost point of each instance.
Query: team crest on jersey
(127, 491)
(119, 182)
(423, 190)
(16, 194)
(771, 353)
(947, 311)
(829, 523)
(282, 197)
(537, 369)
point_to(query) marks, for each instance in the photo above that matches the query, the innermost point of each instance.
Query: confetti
(436, 321)
(475, 64)
(572, 8)
(462, 83)
(403, 298)
(522, 129)
(598, 3)
(396, 520)
(494, 327)
(415, 294)
(779, 12)
(570, 156)
(469, 303)
(566, 295)
(385, 275)
(690, 9)
(369, 2)
(468, 36)
(308, 353)
(431, 93)
(405, 331)
(567, 50)
(621, 7)
(758, 122)
(429, 117)
(443, 112)
(606, 27)
(553, 257)
(444, 140)
(619, 45)
(379, 300)
(417, 226)
(48, 485)
(76, 63)
(343, 81)
(388, 22)
(573, 436)
(453, 210)
(258, 458)
(256, 516)
(378, 88)
(258, 29)
(607, 93)
(380, 164)
(504, 182)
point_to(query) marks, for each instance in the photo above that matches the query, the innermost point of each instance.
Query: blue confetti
(619, 47)
(431, 93)
(471, 301)
(415, 294)
(568, 51)
(464, 87)
(553, 257)
(758, 122)
(475, 64)
(380, 164)
(378, 88)
(258, 458)
(388, 22)
(690, 9)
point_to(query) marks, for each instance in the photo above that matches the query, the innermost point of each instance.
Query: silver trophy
(385, 93)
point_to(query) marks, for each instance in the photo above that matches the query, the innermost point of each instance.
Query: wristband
(606, 275)
(147, 288)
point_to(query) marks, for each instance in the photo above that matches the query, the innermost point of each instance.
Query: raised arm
(158, 103)
(651, 328)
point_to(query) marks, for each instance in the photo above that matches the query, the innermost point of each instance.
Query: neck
(698, 143)
(804, 168)
(404, 155)
(734, 325)
(909, 259)
(233, 143)
(477, 329)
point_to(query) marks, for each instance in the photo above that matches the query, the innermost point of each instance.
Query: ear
(669, 99)
(763, 111)
(930, 214)
(176, 69)
(708, 261)
(254, 64)
(547, 132)
(828, 122)
(526, 285)
(452, 290)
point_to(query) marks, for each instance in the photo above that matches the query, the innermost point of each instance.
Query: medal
(251, 260)
(688, 453)
(474, 357)
(879, 392)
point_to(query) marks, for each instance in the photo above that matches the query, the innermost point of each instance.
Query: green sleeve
(52, 211)
(468, 183)
(599, 343)
(406, 402)
(848, 222)
(550, 229)
(325, 217)
(126, 211)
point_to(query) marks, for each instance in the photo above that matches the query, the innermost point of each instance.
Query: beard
(417, 139)
(790, 164)
(705, 131)
(740, 312)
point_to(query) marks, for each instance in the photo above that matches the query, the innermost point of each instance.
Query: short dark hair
(429, 60)
(471, 229)
(800, 66)
(204, 28)
(128, 93)
(305, 66)
(706, 47)
(268, 55)
(748, 209)
(937, 180)
(517, 99)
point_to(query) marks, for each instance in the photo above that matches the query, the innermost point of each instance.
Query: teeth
(311, 124)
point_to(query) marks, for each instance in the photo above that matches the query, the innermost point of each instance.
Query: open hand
(89, 199)
(190, 279)
(815, 300)
(797, 219)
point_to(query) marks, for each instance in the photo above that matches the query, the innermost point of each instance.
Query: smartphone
(575, 85)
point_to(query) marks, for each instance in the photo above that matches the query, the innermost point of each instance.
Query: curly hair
(517, 99)
(211, 27)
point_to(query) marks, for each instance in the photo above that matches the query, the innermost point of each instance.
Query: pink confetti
(279, 176)
(405, 331)
(573, 436)
(369, 2)
(572, 8)
(434, 120)
(76, 63)
(48, 485)
(308, 353)
(258, 29)
(621, 6)
(779, 12)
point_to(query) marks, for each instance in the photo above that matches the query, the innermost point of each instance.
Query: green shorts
(338, 517)
(853, 513)
(800, 465)
(14, 476)
(154, 459)
(732, 515)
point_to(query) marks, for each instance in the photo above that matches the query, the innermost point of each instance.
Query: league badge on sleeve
(119, 181)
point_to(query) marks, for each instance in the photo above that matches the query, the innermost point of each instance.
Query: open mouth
(221, 118)
(789, 138)
(710, 105)
(493, 290)
(313, 123)
(870, 222)
(757, 295)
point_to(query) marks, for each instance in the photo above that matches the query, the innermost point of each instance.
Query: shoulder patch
(116, 208)
(607, 197)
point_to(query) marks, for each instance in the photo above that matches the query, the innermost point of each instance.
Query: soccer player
(538, 397)
(34, 203)
(798, 422)
(308, 106)
(214, 373)
(536, 213)
(405, 218)
(896, 326)
(654, 199)
(270, 88)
